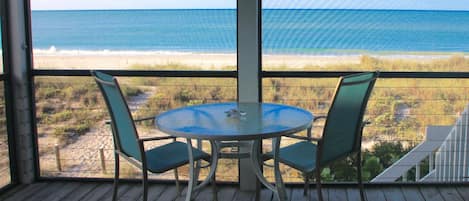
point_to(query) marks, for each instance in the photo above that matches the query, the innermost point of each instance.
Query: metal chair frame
(356, 146)
(118, 152)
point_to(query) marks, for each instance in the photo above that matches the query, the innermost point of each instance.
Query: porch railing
(451, 160)
(446, 151)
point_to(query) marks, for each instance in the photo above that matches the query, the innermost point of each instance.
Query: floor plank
(123, 188)
(133, 194)
(450, 194)
(13, 191)
(431, 194)
(26, 192)
(184, 192)
(226, 193)
(244, 195)
(45, 192)
(353, 194)
(297, 195)
(80, 192)
(463, 191)
(412, 194)
(314, 194)
(93, 191)
(170, 193)
(266, 195)
(154, 192)
(375, 194)
(62, 192)
(337, 194)
(205, 194)
(97, 192)
(393, 194)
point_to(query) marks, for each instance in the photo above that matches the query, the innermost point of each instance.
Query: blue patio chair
(342, 132)
(128, 145)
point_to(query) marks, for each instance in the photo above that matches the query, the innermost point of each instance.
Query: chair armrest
(309, 131)
(308, 134)
(135, 120)
(156, 138)
(144, 119)
(319, 117)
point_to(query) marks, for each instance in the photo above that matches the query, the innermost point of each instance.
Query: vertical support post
(249, 68)
(57, 157)
(404, 177)
(103, 159)
(18, 46)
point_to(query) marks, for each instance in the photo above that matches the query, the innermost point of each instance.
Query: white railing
(451, 160)
(435, 135)
(445, 147)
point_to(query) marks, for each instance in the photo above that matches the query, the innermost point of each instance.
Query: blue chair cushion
(301, 156)
(172, 155)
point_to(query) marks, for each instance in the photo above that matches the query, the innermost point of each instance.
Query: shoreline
(87, 59)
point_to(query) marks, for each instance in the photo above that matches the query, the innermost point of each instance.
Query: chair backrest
(343, 128)
(123, 128)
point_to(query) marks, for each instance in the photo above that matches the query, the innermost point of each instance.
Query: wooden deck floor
(90, 191)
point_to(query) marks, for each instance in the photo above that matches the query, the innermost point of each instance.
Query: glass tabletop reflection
(234, 121)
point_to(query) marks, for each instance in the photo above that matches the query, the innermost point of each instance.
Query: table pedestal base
(256, 163)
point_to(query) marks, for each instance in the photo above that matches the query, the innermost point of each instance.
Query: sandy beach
(44, 59)
(116, 60)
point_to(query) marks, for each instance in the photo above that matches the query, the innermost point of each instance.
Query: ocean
(283, 31)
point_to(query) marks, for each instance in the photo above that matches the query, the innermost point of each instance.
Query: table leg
(213, 166)
(281, 194)
(279, 188)
(192, 184)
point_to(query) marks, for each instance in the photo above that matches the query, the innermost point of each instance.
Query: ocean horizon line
(220, 9)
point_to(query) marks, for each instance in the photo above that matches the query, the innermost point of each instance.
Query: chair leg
(306, 185)
(176, 178)
(359, 177)
(214, 188)
(318, 184)
(116, 176)
(145, 184)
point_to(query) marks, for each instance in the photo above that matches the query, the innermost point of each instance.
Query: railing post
(417, 171)
(430, 162)
(57, 158)
(103, 159)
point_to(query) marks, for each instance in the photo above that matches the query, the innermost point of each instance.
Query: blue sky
(318, 4)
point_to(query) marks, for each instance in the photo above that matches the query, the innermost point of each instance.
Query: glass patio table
(236, 121)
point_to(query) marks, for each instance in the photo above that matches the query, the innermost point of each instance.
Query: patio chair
(128, 144)
(342, 132)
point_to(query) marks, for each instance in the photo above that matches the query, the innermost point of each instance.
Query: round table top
(234, 121)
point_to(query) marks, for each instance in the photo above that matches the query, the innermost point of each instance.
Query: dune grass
(400, 109)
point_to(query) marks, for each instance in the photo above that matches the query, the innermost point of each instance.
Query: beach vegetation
(399, 109)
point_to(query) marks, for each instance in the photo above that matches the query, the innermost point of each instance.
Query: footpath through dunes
(82, 157)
